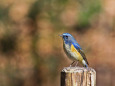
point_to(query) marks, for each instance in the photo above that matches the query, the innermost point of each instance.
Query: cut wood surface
(78, 76)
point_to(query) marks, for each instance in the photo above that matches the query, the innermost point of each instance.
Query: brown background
(31, 52)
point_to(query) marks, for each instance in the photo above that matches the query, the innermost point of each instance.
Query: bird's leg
(76, 64)
(72, 63)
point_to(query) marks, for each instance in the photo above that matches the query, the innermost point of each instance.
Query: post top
(77, 69)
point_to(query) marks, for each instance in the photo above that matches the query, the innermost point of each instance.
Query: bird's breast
(71, 52)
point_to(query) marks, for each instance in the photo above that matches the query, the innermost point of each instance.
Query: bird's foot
(71, 64)
(76, 64)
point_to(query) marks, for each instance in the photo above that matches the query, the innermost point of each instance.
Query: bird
(73, 50)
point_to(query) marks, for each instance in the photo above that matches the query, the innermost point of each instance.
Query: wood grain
(78, 76)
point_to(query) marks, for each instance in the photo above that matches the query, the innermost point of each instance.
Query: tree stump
(78, 76)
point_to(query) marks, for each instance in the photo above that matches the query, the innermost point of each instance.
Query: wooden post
(78, 76)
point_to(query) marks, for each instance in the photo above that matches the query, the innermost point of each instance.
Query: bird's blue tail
(86, 65)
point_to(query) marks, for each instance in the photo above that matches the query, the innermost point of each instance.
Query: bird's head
(67, 38)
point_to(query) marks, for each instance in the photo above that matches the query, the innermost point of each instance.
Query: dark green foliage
(35, 9)
(87, 11)
(4, 14)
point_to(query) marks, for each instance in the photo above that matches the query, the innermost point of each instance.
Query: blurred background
(31, 52)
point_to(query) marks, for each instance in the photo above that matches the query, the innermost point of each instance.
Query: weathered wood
(78, 76)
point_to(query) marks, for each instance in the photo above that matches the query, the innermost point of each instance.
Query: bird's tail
(84, 63)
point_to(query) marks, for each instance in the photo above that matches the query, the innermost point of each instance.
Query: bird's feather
(78, 48)
(76, 45)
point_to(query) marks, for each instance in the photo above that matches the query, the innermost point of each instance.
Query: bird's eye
(66, 36)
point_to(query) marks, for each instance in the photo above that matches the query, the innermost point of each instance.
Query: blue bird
(73, 49)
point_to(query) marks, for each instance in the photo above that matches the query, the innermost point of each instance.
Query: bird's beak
(61, 35)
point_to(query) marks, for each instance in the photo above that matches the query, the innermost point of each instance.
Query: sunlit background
(31, 52)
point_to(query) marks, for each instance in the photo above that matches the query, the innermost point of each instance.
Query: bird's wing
(80, 51)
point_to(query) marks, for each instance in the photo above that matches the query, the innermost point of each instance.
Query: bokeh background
(31, 52)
